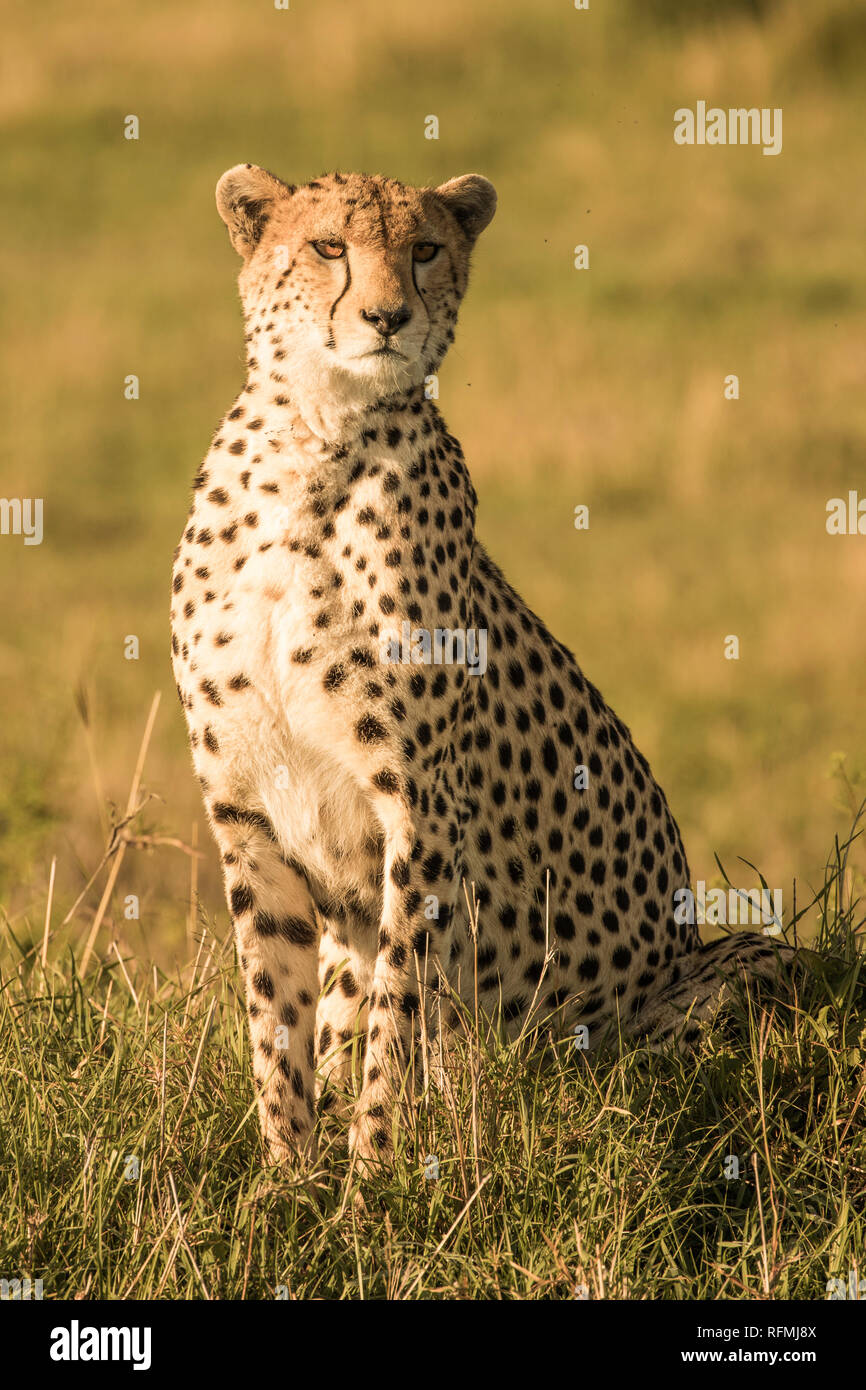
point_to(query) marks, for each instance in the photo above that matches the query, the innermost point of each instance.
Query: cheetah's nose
(387, 321)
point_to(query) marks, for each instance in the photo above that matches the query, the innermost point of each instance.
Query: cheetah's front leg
(345, 974)
(410, 946)
(278, 944)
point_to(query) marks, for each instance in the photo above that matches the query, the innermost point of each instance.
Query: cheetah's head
(351, 284)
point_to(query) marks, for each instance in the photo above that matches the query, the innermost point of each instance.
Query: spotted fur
(352, 797)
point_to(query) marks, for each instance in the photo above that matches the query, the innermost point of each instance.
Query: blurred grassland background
(602, 387)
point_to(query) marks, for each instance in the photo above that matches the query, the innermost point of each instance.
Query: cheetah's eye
(424, 251)
(329, 250)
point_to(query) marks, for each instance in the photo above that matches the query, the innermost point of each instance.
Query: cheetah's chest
(257, 649)
(252, 644)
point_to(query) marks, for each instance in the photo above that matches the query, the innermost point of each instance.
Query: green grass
(131, 1164)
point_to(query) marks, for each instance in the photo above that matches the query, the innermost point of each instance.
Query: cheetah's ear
(245, 197)
(472, 200)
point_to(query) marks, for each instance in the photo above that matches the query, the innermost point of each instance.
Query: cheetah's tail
(701, 986)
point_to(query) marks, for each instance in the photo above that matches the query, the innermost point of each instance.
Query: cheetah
(355, 785)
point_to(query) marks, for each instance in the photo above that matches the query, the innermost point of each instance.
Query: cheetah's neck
(313, 419)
